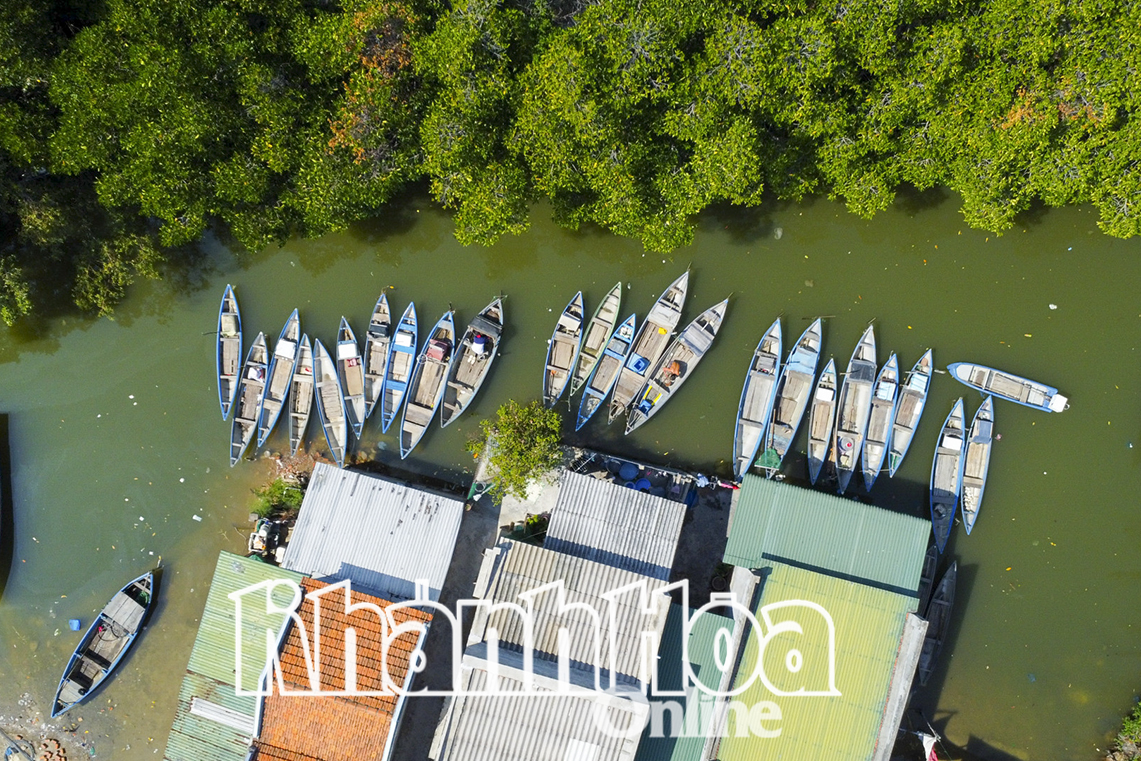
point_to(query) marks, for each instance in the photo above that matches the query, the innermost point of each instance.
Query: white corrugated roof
(517, 568)
(603, 521)
(380, 534)
(563, 727)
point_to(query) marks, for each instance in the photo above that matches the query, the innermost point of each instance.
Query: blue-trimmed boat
(562, 351)
(821, 419)
(350, 372)
(854, 408)
(979, 444)
(1028, 393)
(426, 388)
(280, 376)
(251, 386)
(757, 399)
(909, 410)
(330, 403)
(105, 643)
(401, 363)
(793, 392)
(300, 395)
(605, 372)
(228, 357)
(884, 399)
(596, 336)
(475, 353)
(947, 476)
(376, 353)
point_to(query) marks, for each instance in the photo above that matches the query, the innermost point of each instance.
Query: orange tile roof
(335, 728)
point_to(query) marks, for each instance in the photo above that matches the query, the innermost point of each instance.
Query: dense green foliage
(278, 498)
(523, 444)
(130, 126)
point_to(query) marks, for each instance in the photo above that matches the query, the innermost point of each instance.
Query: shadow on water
(926, 698)
(7, 511)
(744, 225)
(911, 200)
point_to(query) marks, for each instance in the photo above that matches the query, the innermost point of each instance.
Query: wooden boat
(330, 403)
(426, 388)
(229, 352)
(1022, 391)
(474, 355)
(938, 622)
(562, 351)
(376, 353)
(854, 408)
(605, 372)
(300, 395)
(884, 399)
(757, 400)
(912, 400)
(927, 578)
(106, 642)
(820, 420)
(676, 365)
(401, 362)
(596, 337)
(977, 462)
(350, 372)
(250, 389)
(793, 391)
(280, 376)
(649, 343)
(947, 476)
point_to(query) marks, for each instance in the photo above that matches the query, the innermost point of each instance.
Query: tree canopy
(130, 127)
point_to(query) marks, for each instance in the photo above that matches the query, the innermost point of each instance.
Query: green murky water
(117, 442)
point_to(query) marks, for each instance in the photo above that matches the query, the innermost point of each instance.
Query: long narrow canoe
(854, 408)
(280, 375)
(947, 476)
(330, 403)
(676, 365)
(793, 391)
(820, 420)
(605, 372)
(426, 388)
(300, 395)
(401, 362)
(250, 389)
(474, 355)
(652, 338)
(927, 578)
(938, 622)
(562, 351)
(103, 646)
(376, 353)
(1012, 388)
(880, 420)
(912, 400)
(350, 372)
(596, 337)
(229, 352)
(977, 464)
(757, 399)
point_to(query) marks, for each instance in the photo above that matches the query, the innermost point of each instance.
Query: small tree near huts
(524, 445)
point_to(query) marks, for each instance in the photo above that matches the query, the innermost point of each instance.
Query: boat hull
(757, 397)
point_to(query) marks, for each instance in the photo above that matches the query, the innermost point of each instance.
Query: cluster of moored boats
(347, 386)
(638, 367)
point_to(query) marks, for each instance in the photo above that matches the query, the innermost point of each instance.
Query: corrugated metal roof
(534, 728)
(608, 523)
(668, 744)
(822, 532)
(380, 534)
(211, 673)
(869, 624)
(522, 567)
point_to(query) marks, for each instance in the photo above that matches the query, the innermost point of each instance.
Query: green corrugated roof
(213, 653)
(211, 673)
(703, 658)
(778, 522)
(868, 628)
